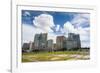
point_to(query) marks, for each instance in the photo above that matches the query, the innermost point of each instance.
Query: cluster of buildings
(62, 43)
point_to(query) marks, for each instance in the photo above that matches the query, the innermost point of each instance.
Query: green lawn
(55, 56)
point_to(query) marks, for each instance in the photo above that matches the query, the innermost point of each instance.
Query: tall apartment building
(73, 41)
(50, 45)
(40, 41)
(61, 43)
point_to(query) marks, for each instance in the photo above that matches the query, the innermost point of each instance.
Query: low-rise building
(25, 47)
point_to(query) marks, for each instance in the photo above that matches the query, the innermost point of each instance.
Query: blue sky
(55, 24)
(59, 17)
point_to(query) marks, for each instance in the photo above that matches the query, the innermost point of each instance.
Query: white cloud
(57, 27)
(70, 28)
(81, 20)
(44, 22)
(26, 13)
(52, 36)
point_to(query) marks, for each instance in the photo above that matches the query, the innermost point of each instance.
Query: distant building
(40, 41)
(54, 47)
(36, 41)
(31, 46)
(25, 47)
(50, 45)
(28, 47)
(61, 43)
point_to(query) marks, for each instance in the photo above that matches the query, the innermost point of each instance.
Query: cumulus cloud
(57, 27)
(44, 22)
(70, 28)
(81, 20)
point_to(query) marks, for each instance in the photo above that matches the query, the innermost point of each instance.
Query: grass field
(55, 56)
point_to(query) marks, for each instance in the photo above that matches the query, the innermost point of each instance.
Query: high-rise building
(61, 42)
(36, 41)
(50, 45)
(73, 41)
(77, 38)
(40, 41)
